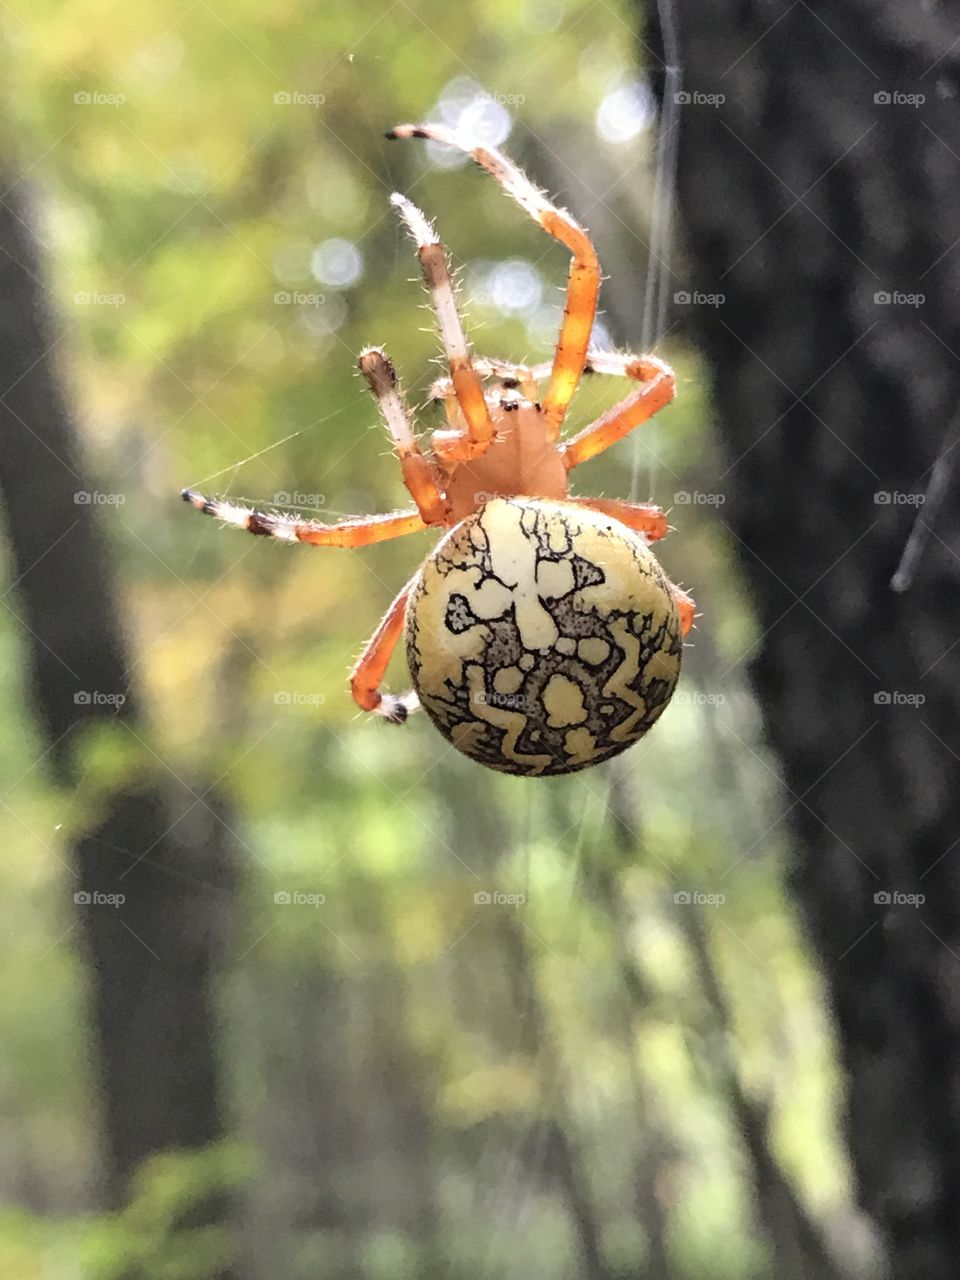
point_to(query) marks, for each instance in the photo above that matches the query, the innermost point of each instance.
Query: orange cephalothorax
(519, 460)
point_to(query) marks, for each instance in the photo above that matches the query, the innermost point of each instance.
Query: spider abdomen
(542, 637)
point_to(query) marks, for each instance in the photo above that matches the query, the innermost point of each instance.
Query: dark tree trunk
(153, 959)
(803, 195)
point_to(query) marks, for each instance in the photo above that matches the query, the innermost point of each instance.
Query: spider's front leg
(658, 388)
(507, 371)
(420, 474)
(453, 444)
(467, 386)
(369, 669)
(360, 531)
(583, 287)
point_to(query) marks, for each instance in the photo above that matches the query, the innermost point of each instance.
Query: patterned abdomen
(542, 637)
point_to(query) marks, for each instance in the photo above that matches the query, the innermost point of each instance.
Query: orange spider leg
(658, 389)
(607, 362)
(451, 405)
(369, 669)
(583, 286)
(454, 445)
(612, 363)
(686, 607)
(644, 517)
(650, 520)
(359, 531)
(518, 374)
(420, 474)
(466, 380)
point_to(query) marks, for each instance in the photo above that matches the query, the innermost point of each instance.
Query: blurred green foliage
(396, 1057)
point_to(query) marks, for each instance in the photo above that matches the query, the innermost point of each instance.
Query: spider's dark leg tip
(197, 501)
(393, 710)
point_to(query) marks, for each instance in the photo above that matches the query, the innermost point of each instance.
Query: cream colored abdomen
(542, 637)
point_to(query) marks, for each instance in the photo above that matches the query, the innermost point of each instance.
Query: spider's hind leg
(686, 606)
(643, 517)
(651, 521)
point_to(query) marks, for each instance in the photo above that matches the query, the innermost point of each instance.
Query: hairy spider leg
(686, 606)
(658, 389)
(508, 371)
(643, 517)
(527, 376)
(420, 474)
(583, 286)
(651, 521)
(369, 669)
(466, 380)
(357, 531)
(609, 363)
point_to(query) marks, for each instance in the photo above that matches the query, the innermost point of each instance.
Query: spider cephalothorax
(542, 634)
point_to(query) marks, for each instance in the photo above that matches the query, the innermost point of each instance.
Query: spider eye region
(542, 637)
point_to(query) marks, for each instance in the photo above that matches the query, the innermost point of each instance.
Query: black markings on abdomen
(460, 617)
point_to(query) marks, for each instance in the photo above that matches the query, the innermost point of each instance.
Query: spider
(542, 635)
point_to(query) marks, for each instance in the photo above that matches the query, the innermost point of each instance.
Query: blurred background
(261, 1018)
